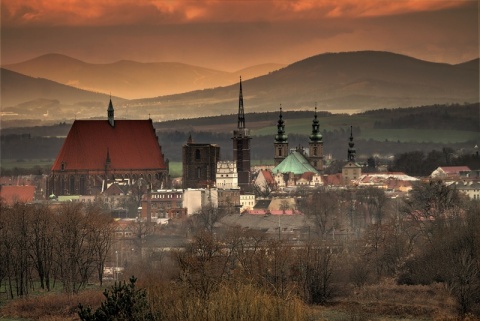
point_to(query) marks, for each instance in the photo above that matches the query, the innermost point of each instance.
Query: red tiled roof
(268, 177)
(455, 169)
(307, 176)
(332, 179)
(131, 144)
(12, 194)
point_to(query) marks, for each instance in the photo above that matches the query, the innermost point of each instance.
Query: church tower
(351, 171)
(111, 112)
(351, 148)
(316, 145)
(281, 140)
(241, 145)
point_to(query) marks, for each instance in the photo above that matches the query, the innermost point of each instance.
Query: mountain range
(335, 82)
(131, 79)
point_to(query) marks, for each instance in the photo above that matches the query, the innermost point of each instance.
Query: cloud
(157, 12)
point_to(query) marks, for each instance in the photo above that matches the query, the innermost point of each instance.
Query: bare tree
(322, 208)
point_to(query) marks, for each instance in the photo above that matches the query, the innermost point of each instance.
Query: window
(280, 152)
(197, 154)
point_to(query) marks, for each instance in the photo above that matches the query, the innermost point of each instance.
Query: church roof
(130, 144)
(295, 163)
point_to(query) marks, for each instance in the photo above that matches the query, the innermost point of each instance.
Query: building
(281, 141)
(11, 194)
(241, 145)
(470, 188)
(352, 170)
(315, 145)
(98, 153)
(199, 164)
(449, 172)
(226, 176)
(314, 154)
(164, 203)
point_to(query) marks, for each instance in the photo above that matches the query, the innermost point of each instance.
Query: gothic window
(71, 185)
(82, 185)
(197, 154)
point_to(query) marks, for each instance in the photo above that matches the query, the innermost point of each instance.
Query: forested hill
(385, 131)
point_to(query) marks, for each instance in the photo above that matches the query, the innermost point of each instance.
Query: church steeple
(111, 113)
(241, 145)
(351, 149)
(315, 146)
(241, 113)
(315, 136)
(281, 137)
(281, 140)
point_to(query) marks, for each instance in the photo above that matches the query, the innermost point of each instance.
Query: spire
(108, 160)
(281, 137)
(315, 136)
(351, 149)
(190, 139)
(111, 113)
(241, 113)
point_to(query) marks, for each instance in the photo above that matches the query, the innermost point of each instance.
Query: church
(99, 153)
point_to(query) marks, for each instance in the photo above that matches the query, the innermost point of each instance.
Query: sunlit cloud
(153, 12)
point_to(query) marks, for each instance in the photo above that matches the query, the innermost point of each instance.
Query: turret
(111, 114)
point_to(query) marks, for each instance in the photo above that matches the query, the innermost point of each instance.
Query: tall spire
(351, 149)
(111, 113)
(315, 136)
(241, 113)
(281, 137)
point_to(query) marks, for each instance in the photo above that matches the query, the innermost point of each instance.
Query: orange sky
(230, 35)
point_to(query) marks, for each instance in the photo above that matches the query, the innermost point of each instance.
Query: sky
(229, 35)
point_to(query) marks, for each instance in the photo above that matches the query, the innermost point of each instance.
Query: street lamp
(116, 267)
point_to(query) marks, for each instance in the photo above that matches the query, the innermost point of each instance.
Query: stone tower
(241, 145)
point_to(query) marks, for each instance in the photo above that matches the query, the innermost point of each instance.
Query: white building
(227, 176)
(247, 202)
(195, 199)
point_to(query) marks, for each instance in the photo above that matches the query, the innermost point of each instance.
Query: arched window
(71, 185)
(197, 154)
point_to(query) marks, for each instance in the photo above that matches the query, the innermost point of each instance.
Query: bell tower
(316, 145)
(241, 145)
(281, 140)
(111, 113)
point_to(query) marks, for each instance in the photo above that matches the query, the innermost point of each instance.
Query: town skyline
(237, 34)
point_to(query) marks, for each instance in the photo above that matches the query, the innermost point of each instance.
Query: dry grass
(388, 299)
(51, 307)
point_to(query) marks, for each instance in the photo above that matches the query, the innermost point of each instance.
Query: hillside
(383, 132)
(348, 82)
(340, 82)
(131, 79)
(36, 98)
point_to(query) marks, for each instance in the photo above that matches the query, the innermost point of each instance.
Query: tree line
(42, 247)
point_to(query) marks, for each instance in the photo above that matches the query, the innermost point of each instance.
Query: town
(109, 208)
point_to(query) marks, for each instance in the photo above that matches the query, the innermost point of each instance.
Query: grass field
(420, 135)
(25, 163)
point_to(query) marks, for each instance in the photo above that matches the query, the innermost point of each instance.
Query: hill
(131, 79)
(348, 82)
(337, 82)
(27, 97)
